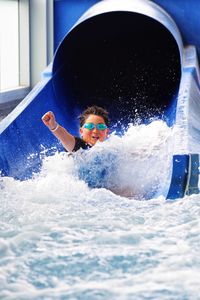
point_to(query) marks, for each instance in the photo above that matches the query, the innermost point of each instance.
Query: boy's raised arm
(67, 140)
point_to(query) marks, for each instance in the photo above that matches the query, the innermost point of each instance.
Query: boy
(94, 123)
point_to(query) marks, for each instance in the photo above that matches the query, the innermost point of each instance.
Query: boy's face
(94, 135)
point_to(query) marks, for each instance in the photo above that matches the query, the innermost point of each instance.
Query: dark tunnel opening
(124, 61)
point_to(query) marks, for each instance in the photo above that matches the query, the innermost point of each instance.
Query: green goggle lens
(90, 126)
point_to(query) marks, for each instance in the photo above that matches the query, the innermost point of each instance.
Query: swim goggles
(91, 126)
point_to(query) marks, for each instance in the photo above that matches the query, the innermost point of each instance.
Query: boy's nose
(95, 129)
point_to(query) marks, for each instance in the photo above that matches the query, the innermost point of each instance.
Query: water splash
(137, 164)
(62, 239)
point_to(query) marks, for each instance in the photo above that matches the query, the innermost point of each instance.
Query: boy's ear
(81, 131)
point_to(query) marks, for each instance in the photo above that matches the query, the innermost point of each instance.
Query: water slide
(128, 56)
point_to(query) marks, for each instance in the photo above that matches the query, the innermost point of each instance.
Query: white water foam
(62, 239)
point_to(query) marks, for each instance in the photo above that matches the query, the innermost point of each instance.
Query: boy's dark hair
(94, 110)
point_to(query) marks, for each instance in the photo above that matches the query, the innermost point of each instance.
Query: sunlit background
(9, 45)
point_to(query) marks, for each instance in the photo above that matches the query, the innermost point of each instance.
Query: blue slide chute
(125, 55)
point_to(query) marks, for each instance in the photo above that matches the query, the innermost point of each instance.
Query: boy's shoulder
(79, 143)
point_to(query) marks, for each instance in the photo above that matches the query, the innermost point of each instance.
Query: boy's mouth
(95, 137)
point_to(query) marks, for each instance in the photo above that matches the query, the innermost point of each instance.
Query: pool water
(62, 238)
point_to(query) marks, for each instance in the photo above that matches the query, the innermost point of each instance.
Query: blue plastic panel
(66, 13)
(179, 176)
(184, 12)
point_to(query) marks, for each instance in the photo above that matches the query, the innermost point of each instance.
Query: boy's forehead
(94, 118)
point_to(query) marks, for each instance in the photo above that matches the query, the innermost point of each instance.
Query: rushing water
(60, 238)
